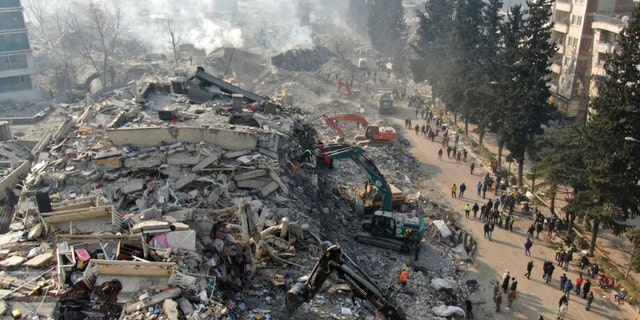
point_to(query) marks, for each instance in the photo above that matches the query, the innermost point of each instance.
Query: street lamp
(632, 139)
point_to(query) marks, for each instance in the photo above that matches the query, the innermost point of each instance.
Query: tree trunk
(466, 125)
(500, 148)
(594, 236)
(552, 203)
(455, 119)
(520, 171)
(570, 218)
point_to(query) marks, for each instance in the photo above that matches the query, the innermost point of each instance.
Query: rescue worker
(404, 275)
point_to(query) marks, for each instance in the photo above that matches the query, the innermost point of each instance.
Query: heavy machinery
(335, 260)
(373, 135)
(385, 101)
(385, 228)
(344, 83)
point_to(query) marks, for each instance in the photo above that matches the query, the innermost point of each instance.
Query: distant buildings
(585, 30)
(18, 80)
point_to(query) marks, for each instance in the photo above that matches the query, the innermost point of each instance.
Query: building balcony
(604, 47)
(563, 5)
(553, 87)
(561, 27)
(560, 49)
(556, 68)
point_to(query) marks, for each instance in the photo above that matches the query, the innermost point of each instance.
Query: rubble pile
(126, 213)
(302, 59)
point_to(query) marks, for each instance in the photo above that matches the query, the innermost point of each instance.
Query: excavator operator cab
(383, 225)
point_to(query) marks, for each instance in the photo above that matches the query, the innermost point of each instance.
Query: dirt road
(506, 251)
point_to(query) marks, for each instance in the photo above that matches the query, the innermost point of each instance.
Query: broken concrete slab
(39, 260)
(12, 262)
(183, 160)
(170, 309)
(253, 183)
(133, 187)
(250, 175)
(150, 162)
(268, 189)
(186, 180)
(214, 158)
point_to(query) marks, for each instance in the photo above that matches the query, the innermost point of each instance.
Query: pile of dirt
(302, 59)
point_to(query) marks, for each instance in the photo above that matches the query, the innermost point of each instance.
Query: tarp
(447, 311)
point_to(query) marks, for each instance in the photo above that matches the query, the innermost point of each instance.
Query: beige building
(18, 76)
(585, 31)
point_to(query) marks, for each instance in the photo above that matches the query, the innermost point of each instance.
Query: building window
(17, 83)
(14, 42)
(579, 22)
(11, 20)
(10, 4)
(13, 62)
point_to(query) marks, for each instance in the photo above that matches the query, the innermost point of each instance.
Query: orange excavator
(342, 82)
(373, 135)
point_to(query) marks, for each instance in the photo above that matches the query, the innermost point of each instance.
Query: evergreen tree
(388, 30)
(433, 43)
(357, 16)
(531, 103)
(610, 193)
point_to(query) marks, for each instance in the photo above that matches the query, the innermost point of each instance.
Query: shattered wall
(12, 179)
(155, 136)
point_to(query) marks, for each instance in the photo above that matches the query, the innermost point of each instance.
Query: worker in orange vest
(404, 275)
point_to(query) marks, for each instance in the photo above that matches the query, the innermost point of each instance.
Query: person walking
(510, 297)
(550, 272)
(563, 280)
(586, 288)
(440, 154)
(563, 306)
(472, 166)
(527, 247)
(589, 301)
(479, 187)
(530, 231)
(467, 209)
(404, 276)
(568, 286)
(449, 152)
(486, 229)
(469, 306)
(491, 227)
(579, 281)
(539, 227)
(475, 210)
(497, 299)
(454, 188)
(529, 268)
(505, 281)
(416, 251)
(514, 284)
(463, 188)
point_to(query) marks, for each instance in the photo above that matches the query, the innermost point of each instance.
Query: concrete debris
(154, 203)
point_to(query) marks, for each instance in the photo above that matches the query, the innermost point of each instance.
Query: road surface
(506, 251)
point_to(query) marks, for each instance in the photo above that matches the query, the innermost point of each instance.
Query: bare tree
(96, 29)
(175, 40)
(39, 10)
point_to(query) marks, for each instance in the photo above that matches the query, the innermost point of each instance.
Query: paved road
(506, 251)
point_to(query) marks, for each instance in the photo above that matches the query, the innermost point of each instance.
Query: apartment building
(584, 31)
(18, 76)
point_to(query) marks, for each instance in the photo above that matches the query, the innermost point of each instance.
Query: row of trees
(489, 70)
(492, 71)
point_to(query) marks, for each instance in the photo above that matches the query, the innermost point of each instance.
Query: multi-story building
(18, 76)
(580, 29)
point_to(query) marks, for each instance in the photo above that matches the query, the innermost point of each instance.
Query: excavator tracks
(367, 238)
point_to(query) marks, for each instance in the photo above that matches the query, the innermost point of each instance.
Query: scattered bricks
(249, 175)
(133, 187)
(206, 162)
(271, 187)
(184, 181)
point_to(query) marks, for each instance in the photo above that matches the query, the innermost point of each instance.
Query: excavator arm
(356, 154)
(333, 121)
(334, 260)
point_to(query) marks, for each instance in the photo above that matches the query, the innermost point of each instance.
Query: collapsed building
(186, 198)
